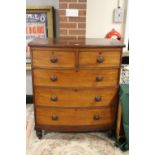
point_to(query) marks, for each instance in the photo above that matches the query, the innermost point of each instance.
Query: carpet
(94, 143)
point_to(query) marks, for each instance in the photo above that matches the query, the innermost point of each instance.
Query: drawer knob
(100, 59)
(97, 117)
(54, 117)
(54, 59)
(54, 98)
(54, 78)
(99, 78)
(98, 98)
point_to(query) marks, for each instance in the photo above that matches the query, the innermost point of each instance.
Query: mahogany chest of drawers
(75, 84)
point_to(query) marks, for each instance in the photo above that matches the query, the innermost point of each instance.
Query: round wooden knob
(97, 117)
(54, 59)
(54, 117)
(54, 98)
(99, 78)
(98, 98)
(100, 59)
(54, 78)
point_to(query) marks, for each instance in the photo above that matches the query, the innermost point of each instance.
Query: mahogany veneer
(75, 84)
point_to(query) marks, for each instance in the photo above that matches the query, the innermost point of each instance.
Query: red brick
(82, 12)
(62, 12)
(63, 31)
(77, 6)
(68, 36)
(77, 19)
(73, 27)
(63, 36)
(76, 32)
(62, 1)
(81, 37)
(63, 19)
(68, 25)
(82, 25)
(63, 5)
(82, 1)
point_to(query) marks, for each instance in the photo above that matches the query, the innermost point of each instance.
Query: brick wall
(72, 26)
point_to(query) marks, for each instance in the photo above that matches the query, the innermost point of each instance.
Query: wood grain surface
(43, 58)
(74, 116)
(90, 58)
(71, 78)
(75, 83)
(75, 97)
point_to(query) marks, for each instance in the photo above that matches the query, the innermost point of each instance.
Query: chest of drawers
(75, 84)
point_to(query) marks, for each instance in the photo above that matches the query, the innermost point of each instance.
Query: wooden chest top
(80, 42)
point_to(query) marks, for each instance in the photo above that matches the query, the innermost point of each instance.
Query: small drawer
(74, 117)
(75, 97)
(71, 78)
(99, 58)
(54, 58)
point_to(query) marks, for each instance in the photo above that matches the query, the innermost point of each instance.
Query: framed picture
(39, 24)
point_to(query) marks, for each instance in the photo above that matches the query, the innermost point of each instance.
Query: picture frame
(39, 24)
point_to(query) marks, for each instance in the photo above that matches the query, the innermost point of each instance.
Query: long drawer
(74, 117)
(75, 97)
(71, 78)
(54, 58)
(99, 58)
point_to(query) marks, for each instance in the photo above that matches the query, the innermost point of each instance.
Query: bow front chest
(75, 84)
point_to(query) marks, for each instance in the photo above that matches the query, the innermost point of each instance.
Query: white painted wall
(99, 17)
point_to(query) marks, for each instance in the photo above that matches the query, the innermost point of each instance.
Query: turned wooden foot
(39, 133)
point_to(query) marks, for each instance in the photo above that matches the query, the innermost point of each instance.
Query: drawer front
(99, 58)
(71, 78)
(53, 58)
(74, 117)
(75, 97)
